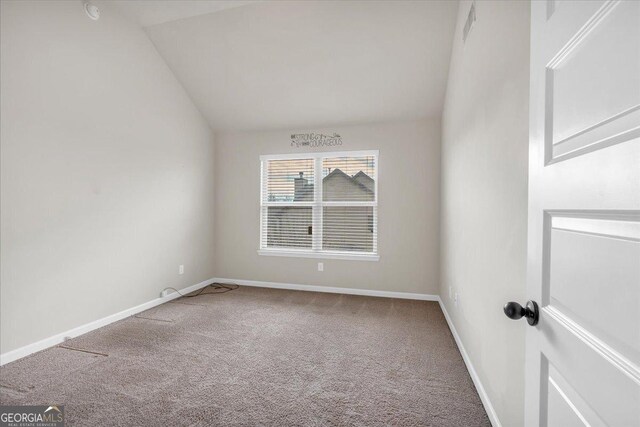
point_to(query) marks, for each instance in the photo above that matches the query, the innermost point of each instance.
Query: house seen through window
(322, 204)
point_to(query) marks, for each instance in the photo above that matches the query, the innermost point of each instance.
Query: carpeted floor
(258, 357)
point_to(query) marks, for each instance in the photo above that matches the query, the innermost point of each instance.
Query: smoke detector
(92, 10)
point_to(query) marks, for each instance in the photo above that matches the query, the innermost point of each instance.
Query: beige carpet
(258, 357)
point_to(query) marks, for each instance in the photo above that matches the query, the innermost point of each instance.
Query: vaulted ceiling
(152, 12)
(292, 64)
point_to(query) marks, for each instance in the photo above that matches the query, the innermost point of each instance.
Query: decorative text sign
(314, 140)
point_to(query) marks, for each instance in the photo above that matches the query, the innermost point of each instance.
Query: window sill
(319, 255)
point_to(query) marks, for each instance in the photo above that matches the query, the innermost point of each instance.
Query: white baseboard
(21, 352)
(331, 290)
(484, 397)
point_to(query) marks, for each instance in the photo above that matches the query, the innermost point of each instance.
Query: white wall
(484, 195)
(107, 171)
(408, 209)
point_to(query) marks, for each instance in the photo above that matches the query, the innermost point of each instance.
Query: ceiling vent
(471, 18)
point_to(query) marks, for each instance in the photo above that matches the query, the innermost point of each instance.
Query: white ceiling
(153, 12)
(298, 64)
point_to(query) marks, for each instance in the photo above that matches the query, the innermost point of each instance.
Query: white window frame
(318, 204)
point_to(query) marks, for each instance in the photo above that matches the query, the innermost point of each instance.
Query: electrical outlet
(181, 269)
(164, 293)
(321, 266)
(456, 300)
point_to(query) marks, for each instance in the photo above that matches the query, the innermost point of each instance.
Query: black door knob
(515, 311)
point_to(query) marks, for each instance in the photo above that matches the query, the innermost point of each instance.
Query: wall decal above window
(315, 140)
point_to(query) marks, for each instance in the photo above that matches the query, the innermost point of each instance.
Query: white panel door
(583, 356)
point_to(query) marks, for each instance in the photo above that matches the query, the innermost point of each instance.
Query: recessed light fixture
(92, 10)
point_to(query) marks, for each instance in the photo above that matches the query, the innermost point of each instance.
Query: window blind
(320, 203)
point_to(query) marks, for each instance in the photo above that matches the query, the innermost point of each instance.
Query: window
(322, 205)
